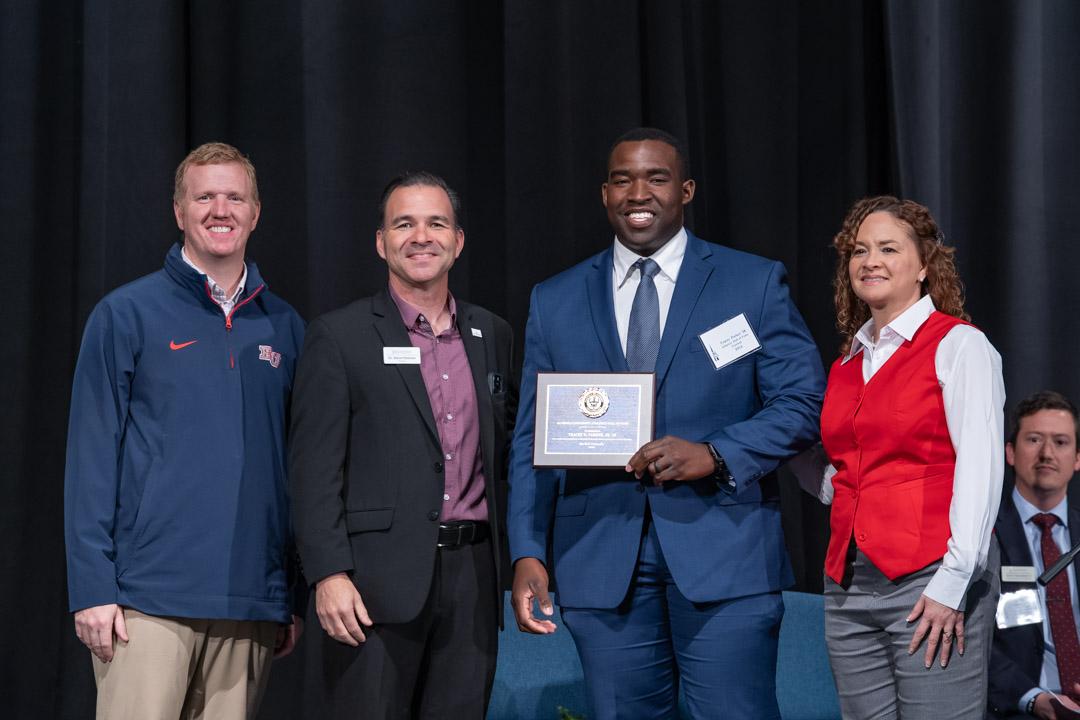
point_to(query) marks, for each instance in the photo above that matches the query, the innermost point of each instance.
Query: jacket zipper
(228, 318)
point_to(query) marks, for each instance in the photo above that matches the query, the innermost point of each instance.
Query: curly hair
(214, 153)
(942, 281)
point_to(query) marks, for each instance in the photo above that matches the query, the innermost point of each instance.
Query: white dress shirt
(625, 279)
(1048, 677)
(217, 293)
(969, 371)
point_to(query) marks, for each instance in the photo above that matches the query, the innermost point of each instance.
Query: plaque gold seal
(593, 403)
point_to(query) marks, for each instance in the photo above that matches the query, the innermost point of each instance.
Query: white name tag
(401, 355)
(729, 341)
(1018, 608)
(1018, 573)
(476, 332)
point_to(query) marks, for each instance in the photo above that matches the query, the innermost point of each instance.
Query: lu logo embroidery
(267, 353)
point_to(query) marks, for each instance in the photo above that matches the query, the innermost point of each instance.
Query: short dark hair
(640, 134)
(413, 178)
(1042, 400)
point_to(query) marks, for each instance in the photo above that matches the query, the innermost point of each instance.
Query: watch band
(721, 475)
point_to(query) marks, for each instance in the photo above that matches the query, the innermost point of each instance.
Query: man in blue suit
(669, 572)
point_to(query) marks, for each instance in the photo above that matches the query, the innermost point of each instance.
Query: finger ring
(947, 637)
(655, 470)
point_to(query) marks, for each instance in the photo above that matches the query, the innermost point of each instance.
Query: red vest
(894, 459)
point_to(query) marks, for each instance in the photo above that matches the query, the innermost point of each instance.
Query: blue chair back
(538, 674)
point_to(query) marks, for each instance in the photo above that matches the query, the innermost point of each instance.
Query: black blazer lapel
(1010, 532)
(393, 334)
(479, 350)
(1074, 527)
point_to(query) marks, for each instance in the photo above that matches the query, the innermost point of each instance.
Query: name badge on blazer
(1018, 573)
(401, 355)
(729, 341)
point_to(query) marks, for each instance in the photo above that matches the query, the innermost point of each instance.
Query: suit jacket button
(438, 467)
(433, 515)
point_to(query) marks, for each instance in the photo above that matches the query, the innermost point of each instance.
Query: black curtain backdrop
(792, 110)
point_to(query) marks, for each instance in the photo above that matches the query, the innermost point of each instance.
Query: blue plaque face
(592, 419)
(614, 431)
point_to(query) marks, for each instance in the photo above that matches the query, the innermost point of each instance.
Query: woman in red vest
(912, 427)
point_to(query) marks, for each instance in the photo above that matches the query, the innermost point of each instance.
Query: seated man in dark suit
(1035, 668)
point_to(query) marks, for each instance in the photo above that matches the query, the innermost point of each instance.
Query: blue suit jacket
(756, 412)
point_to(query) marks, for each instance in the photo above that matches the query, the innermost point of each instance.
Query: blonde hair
(214, 153)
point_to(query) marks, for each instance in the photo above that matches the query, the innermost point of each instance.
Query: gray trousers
(867, 637)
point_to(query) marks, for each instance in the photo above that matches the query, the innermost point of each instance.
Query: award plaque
(592, 420)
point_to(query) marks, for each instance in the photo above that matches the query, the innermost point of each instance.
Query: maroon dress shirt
(450, 390)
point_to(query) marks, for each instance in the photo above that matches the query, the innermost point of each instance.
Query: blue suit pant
(636, 656)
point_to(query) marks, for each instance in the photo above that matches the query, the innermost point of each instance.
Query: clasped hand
(671, 459)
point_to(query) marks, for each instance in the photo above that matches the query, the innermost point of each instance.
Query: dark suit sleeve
(791, 385)
(317, 445)
(1016, 653)
(1008, 681)
(513, 394)
(506, 414)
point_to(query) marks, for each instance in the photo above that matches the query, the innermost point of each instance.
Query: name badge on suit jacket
(401, 355)
(730, 340)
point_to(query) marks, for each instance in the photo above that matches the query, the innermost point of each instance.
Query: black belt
(462, 532)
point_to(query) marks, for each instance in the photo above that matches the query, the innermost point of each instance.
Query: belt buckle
(457, 541)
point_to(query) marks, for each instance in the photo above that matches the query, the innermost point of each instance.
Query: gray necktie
(643, 335)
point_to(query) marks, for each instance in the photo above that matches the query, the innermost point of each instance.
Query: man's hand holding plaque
(596, 420)
(672, 459)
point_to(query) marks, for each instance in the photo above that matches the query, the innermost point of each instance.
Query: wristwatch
(1030, 710)
(721, 475)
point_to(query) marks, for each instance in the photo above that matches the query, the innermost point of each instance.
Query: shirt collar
(410, 314)
(1026, 510)
(669, 258)
(216, 291)
(906, 324)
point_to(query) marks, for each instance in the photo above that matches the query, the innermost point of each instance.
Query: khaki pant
(174, 668)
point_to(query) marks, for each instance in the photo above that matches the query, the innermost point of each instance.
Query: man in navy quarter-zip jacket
(175, 512)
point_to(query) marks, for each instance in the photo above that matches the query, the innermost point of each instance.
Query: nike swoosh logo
(173, 345)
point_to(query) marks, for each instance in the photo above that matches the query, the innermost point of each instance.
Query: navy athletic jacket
(175, 494)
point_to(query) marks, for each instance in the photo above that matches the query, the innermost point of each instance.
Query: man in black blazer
(401, 413)
(1028, 665)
